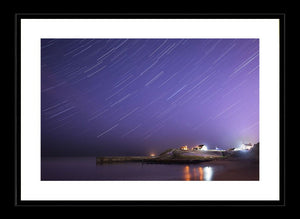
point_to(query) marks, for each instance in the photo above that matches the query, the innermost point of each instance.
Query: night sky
(141, 96)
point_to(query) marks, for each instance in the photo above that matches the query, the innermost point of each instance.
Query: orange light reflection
(200, 173)
(187, 175)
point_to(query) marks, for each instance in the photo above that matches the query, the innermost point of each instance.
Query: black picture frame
(174, 203)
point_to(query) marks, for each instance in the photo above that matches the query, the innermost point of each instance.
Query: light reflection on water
(200, 173)
(85, 168)
(186, 173)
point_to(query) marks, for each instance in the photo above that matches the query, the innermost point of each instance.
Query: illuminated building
(184, 148)
(248, 146)
(200, 147)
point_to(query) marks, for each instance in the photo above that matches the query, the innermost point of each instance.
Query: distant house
(184, 148)
(248, 146)
(200, 147)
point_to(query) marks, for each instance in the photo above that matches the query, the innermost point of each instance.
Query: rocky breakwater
(120, 159)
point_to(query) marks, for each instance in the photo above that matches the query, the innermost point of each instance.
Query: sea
(85, 168)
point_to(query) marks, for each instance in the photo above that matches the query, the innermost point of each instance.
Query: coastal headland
(177, 156)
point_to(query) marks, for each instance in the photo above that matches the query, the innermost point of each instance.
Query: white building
(200, 147)
(248, 146)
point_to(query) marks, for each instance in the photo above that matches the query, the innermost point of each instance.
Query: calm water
(85, 168)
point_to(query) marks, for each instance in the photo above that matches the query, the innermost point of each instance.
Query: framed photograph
(147, 109)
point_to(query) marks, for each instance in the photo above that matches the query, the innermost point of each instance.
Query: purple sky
(141, 96)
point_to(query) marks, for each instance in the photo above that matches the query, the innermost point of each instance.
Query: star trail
(138, 96)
